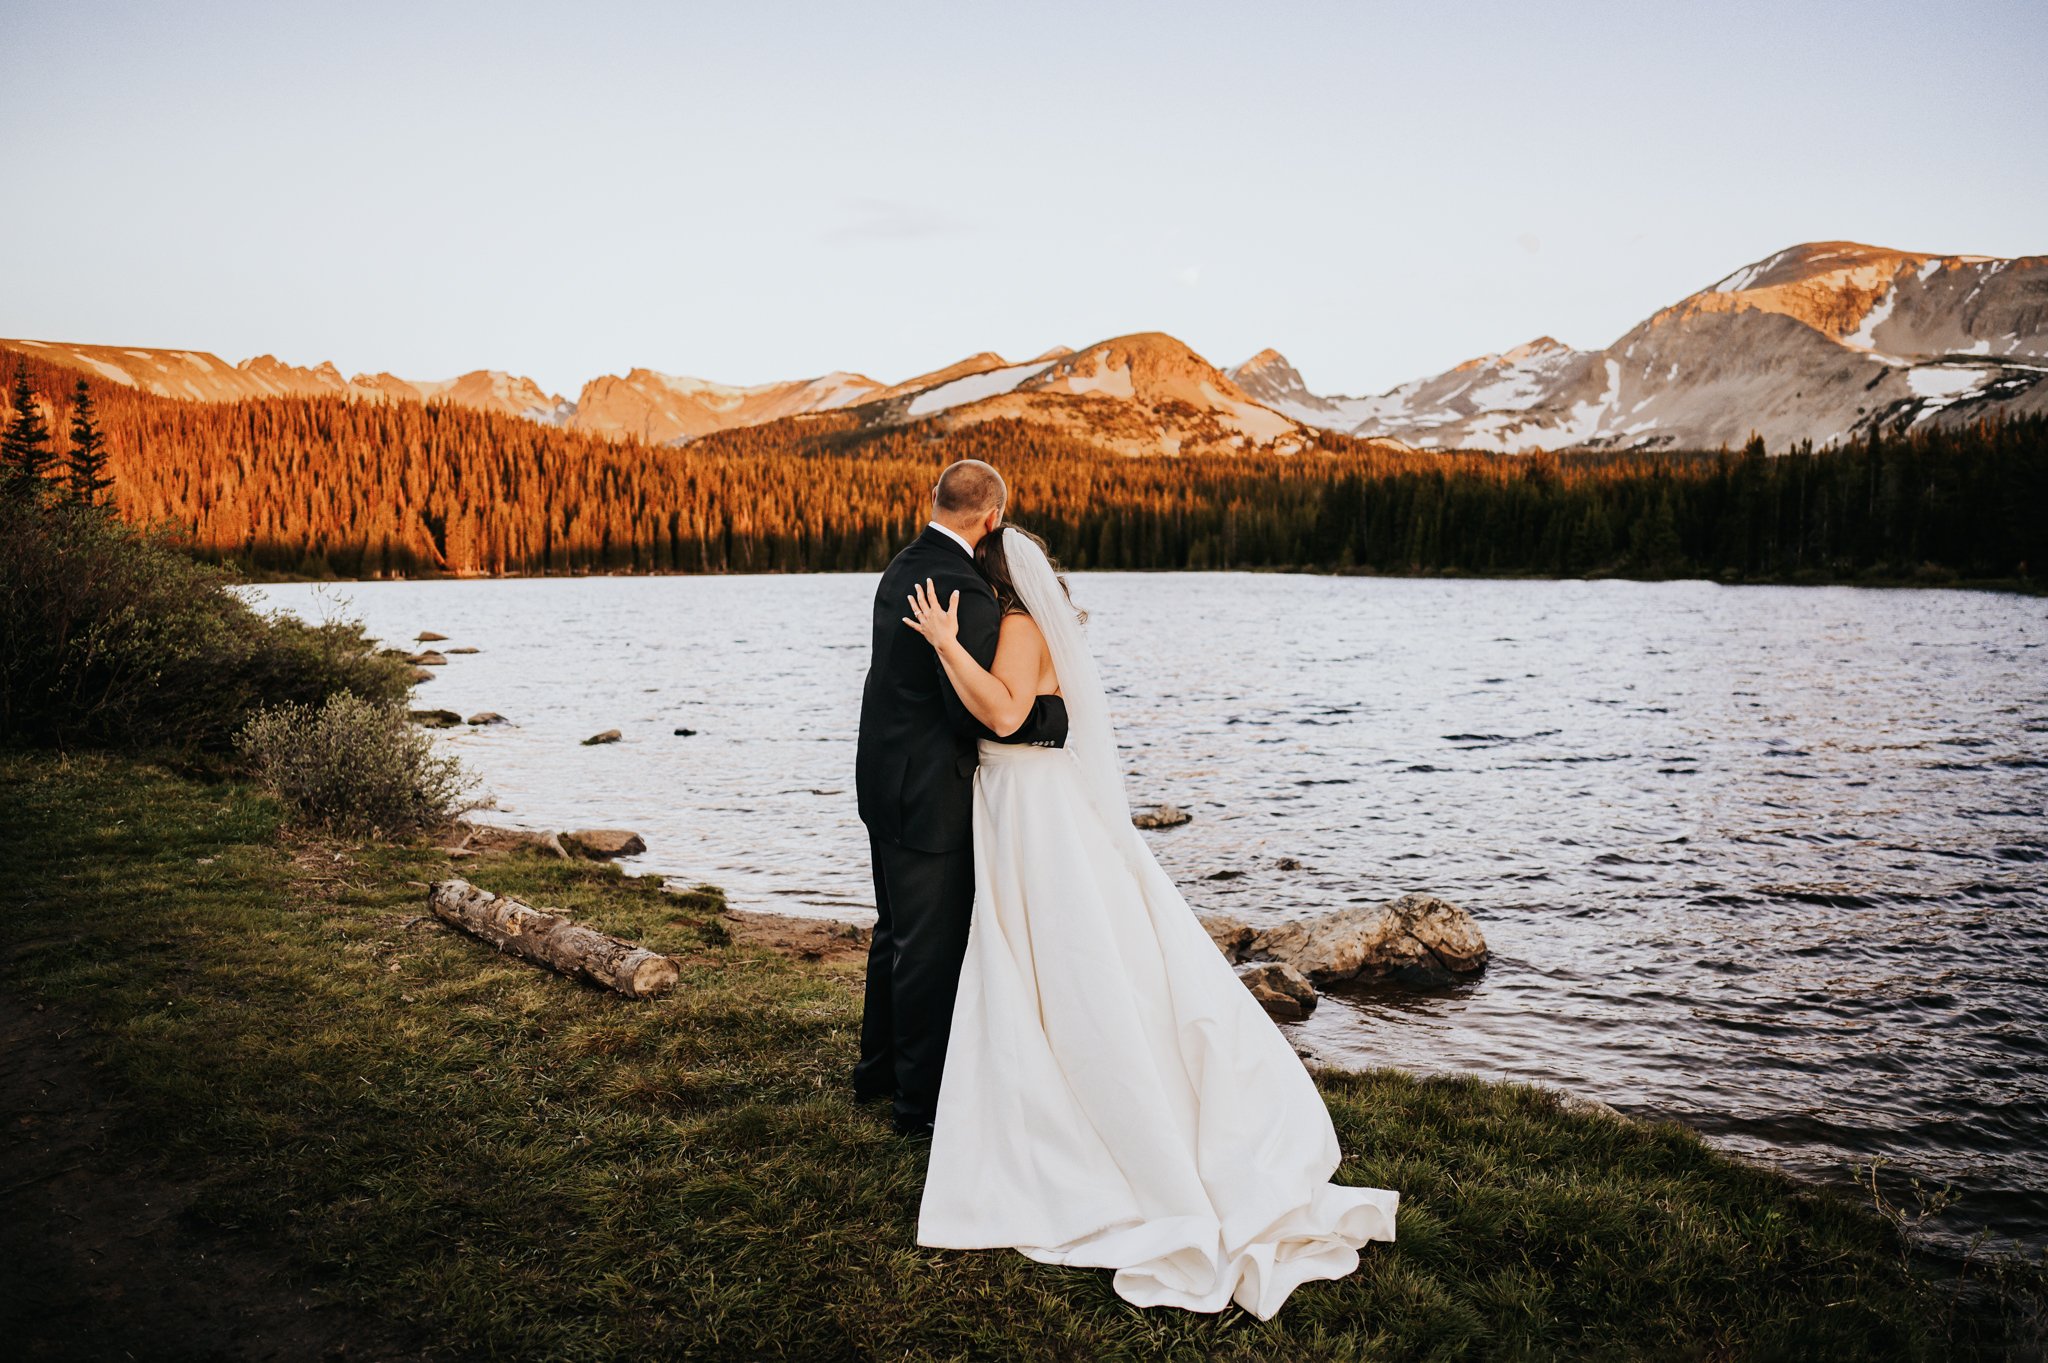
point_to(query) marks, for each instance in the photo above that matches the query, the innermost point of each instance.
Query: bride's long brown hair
(988, 555)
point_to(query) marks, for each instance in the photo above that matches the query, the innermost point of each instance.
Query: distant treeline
(325, 486)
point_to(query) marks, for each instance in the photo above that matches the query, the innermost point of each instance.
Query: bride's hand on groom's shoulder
(941, 625)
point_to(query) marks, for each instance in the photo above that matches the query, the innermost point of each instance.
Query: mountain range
(1818, 342)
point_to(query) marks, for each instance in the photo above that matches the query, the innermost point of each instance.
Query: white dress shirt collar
(955, 536)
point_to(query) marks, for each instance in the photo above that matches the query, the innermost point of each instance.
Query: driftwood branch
(552, 940)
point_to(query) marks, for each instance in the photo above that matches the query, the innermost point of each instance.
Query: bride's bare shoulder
(1019, 620)
(1020, 636)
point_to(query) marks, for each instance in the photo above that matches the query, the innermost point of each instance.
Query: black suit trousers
(924, 902)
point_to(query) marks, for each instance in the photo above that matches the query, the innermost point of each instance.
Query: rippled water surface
(1771, 861)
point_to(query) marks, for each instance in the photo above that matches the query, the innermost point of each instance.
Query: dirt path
(105, 1259)
(825, 940)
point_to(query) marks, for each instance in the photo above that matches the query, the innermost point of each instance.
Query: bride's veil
(1090, 736)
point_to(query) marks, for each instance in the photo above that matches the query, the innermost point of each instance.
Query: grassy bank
(507, 1164)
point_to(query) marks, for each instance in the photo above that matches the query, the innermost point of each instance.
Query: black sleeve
(1044, 727)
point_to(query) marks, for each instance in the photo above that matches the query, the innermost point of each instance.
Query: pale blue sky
(762, 191)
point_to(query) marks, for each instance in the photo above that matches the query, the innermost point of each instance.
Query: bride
(1112, 1097)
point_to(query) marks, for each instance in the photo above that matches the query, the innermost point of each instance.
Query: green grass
(524, 1167)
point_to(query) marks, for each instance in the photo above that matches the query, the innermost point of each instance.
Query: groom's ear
(993, 520)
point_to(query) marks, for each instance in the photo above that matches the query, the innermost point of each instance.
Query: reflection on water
(1772, 861)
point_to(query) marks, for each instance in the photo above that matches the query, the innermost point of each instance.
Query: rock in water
(1281, 990)
(602, 844)
(1161, 816)
(420, 674)
(436, 719)
(487, 717)
(1417, 935)
(427, 659)
(608, 736)
(463, 650)
(427, 636)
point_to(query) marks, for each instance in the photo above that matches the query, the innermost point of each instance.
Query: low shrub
(355, 766)
(114, 637)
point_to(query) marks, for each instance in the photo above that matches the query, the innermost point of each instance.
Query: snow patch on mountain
(1748, 274)
(1865, 334)
(839, 389)
(1946, 382)
(973, 388)
(1112, 380)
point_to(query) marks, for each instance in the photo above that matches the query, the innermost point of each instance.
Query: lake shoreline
(1939, 581)
(401, 1121)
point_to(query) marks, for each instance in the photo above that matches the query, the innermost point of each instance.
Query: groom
(915, 779)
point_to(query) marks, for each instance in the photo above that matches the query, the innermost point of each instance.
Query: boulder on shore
(1417, 936)
(427, 636)
(1232, 936)
(608, 736)
(427, 659)
(1584, 1104)
(420, 674)
(487, 717)
(1161, 816)
(602, 844)
(436, 719)
(1281, 990)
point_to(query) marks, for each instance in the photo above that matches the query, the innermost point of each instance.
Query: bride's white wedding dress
(1113, 1096)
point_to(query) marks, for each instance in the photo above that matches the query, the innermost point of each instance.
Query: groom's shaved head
(969, 488)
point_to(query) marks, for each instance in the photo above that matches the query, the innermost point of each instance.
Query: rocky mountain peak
(1267, 360)
(1536, 349)
(1268, 377)
(1818, 342)
(1152, 361)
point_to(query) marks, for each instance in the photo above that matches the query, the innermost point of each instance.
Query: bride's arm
(1000, 696)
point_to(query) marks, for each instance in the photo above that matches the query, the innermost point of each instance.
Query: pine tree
(1654, 545)
(88, 457)
(25, 448)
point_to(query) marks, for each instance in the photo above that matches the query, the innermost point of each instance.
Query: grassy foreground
(516, 1166)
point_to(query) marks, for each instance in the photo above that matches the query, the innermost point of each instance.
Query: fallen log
(551, 940)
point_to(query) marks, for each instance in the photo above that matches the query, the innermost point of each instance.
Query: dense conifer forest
(329, 487)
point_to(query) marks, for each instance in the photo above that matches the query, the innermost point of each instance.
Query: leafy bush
(358, 767)
(113, 637)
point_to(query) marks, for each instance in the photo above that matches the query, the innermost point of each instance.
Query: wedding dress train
(1113, 1096)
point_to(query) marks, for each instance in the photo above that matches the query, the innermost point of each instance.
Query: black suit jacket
(914, 769)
